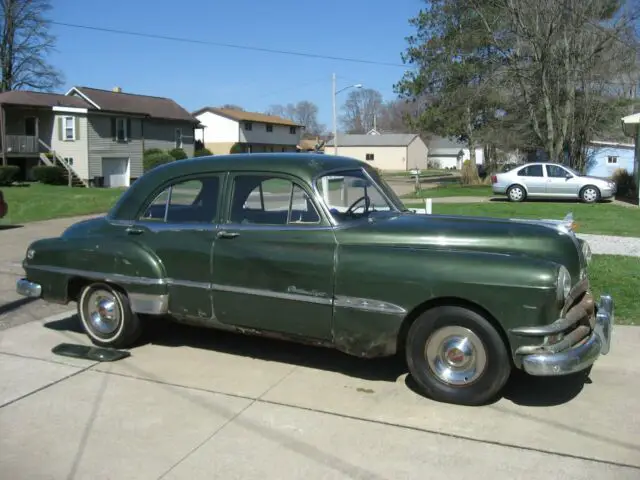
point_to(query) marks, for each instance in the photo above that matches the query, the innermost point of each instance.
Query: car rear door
(533, 179)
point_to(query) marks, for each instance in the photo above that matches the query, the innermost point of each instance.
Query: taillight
(494, 179)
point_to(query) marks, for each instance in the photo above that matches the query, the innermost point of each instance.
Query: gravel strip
(610, 245)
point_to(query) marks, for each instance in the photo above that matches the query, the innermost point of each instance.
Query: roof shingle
(381, 140)
(39, 99)
(242, 116)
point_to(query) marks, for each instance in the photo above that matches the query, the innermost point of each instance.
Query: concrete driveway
(194, 403)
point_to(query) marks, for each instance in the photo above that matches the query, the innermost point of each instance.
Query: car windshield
(351, 194)
(577, 174)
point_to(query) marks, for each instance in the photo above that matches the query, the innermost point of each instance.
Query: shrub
(49, 175)
(625, 183)
(9, 174)
(178, 153)
(236, 148)
(149, 162)
(152, 151)
(469, 174)
(202, 152)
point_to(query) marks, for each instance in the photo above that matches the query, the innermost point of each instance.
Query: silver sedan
(550, 180)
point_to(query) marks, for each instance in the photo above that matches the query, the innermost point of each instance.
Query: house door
(115, 172)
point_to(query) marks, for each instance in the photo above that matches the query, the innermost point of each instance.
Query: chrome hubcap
(516, 193)
(456, 355)
(590, 195)
(103, 312)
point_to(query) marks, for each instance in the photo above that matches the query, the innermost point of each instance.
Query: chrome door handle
(134, 231)
(225, 234)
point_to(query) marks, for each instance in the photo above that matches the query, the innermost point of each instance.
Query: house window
(69, 160)
(121, 130)
(369, 157)
(612, 159)
(269, 128)
(292, 130)
(69, 128)
(248, 126)
(178, 138)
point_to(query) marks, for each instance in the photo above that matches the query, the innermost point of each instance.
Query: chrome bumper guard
(28, 289)
(580, 356)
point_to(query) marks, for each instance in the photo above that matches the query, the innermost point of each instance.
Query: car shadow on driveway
(522, 389)
(11, 306)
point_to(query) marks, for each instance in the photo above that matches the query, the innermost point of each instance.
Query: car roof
(305, 165)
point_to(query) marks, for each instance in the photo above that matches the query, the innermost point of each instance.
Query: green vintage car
(319, 249)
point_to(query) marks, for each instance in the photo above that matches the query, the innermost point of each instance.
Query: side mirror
(568, 176)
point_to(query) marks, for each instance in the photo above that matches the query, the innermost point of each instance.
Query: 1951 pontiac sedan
(319, 249)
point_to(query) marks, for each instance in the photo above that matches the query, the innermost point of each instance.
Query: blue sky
(198, 75)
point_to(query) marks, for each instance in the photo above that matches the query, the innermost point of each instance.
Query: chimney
(117, 89)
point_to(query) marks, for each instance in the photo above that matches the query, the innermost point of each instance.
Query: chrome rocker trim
(580, 356)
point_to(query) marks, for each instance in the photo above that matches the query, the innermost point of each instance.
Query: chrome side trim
(108, 277)
(368, 305)
(322, 300)
(188, 284)
(149, 304)
(28, 289)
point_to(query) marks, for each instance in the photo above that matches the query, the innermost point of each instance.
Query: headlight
(564, 284)
(586, 251)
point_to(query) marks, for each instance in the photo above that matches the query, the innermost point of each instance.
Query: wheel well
(76, 284)
(589, 185)
(449, 302)
(517, 185)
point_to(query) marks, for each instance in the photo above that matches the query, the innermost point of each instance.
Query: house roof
(381, 140)
(38, 99)
(242, 116)
(444, 146)
(112, 101)
(635, 118)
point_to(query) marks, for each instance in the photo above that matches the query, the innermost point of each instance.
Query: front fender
(53, 262)
(515, 290)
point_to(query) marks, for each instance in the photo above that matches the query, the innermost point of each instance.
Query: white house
(227, 129)
(631, 127)
(386, 151)
(447, 153)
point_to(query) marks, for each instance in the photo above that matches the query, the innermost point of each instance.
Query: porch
(25, 132)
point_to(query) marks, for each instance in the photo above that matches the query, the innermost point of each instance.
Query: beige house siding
(417, 154)
(384, 158)
(101, 144)
(77, 151)
(219, 148)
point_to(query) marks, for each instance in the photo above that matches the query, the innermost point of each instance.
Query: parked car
(320, 250)
(4, 207)
(550, 180)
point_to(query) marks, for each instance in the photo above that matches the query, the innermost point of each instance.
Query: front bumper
(580, 356)
(28, 289)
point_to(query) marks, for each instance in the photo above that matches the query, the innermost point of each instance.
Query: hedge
(9, 174)
(154, 160)
(50, 175)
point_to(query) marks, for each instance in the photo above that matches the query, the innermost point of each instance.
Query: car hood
(465, 233)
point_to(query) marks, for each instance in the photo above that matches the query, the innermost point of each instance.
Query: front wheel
(590, 194)
(456, 356)
(107, 317)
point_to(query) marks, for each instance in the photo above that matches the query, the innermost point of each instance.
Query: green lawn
(43, 202)
(453, 190)
(601, 218)
(618, 276)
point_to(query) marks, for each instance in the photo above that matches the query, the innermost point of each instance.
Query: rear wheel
(456, 356)
(516, 193)
(107, 317)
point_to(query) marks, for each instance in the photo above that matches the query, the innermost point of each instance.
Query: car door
(560, 182)
(179, 225)
(532, 177)
(273, 260)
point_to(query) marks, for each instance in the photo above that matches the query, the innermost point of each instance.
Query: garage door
(115, 172)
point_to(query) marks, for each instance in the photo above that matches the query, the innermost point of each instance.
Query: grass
(453, 190)
(601, 218)
(618, 276)
(35, 202)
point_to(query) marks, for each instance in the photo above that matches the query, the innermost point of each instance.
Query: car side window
(555, 171)
(270, 200)
(531, 171)
(191, 201)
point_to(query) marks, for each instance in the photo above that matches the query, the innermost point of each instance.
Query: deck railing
(22, 144)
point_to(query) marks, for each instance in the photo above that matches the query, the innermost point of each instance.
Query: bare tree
(232, 106)
(360, 109)
(396, 116)
(24, 46)
(304, 112)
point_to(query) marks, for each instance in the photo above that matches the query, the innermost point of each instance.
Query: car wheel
(456, 356)
(590, 194)
(516, 193)
(107, 317)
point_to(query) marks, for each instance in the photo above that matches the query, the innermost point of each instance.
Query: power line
(228, 45)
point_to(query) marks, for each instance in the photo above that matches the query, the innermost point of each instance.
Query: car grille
(579, 309)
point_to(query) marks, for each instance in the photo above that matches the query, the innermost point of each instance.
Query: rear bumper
(28, 289)
(580, 356)
(499, 189)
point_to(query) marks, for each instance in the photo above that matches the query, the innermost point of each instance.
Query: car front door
(273, 261)
(560, 182)
(532, 177)
(179, 225)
